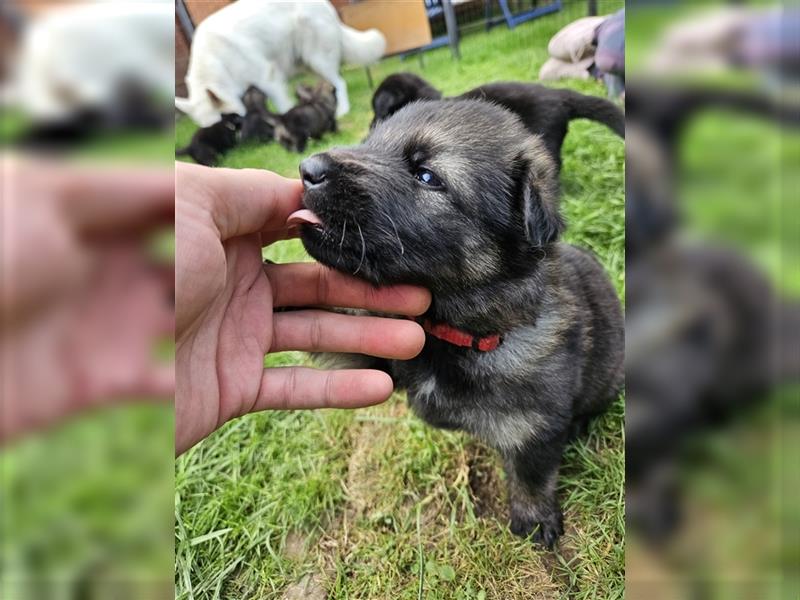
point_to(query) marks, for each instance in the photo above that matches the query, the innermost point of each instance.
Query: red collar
(457, 337)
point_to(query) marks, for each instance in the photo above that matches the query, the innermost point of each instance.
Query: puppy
(524, 334)
(257, 125)
(544, 111)
(314, 115)
(209, 143)
(396, 91)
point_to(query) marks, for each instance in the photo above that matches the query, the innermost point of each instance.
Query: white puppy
(262, 43)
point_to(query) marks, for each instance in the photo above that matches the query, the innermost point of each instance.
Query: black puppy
(313, 116)
(257, 125)
(525, 334)
(209, 143)
(544, 111)
(396, 91)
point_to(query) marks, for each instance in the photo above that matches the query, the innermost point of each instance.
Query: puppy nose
(315, 170)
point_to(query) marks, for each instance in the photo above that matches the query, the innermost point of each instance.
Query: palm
(231, 328)
(245, 327)
(225, 298)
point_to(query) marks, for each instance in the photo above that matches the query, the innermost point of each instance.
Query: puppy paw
(544, 531)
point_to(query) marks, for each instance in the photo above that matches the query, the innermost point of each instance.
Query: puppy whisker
(341, 241)
(363, 249)
(396, 234)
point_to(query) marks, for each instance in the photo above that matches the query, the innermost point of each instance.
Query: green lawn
(373, 503)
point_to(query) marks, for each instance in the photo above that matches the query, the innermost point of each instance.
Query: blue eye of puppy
(428, 178)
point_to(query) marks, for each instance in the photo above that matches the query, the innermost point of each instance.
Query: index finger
(312, 284)
(240, 201)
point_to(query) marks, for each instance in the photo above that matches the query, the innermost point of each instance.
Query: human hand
(225, 298)
(84, 303)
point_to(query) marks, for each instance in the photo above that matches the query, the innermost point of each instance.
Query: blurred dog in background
(313, 116)
(71, 79)
(706, 333)
(255, 126)
(210, 143)
(261, 43)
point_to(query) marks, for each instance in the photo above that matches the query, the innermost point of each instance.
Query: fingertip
(419, 300)
(382, 386)
(414, 338)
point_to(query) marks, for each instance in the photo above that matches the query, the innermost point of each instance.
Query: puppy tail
(362, 47)
(600, 110)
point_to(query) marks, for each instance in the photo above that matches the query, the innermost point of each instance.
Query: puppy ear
(216, 101)
(304, 93)
(228, 104)
(537, 190)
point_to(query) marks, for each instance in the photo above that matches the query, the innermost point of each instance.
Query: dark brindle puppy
(525, 336)
(256, 126)
(544, 111)
(313, 116)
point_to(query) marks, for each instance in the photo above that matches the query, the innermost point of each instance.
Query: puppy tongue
(299, 217)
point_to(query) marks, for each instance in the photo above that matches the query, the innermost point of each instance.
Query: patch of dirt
(295, 546)
(363, 478)
(309, 587)
(486, 487)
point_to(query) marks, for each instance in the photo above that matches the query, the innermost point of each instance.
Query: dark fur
(486, 245)
(544, 111)
(311, 118)
(256, 126)
(396, 91)
(209, 143)
(132, 109)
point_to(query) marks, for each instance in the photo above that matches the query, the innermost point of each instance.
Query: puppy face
(445, 194)
(255, 101)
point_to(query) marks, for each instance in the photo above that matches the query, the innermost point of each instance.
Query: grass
(374, 503)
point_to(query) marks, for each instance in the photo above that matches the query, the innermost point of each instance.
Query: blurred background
(86, 421)
(713, 298)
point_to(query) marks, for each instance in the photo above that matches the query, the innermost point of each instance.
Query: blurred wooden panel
(200, 9)
(403, 22)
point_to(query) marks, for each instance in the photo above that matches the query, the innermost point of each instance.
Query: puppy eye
(427, 177)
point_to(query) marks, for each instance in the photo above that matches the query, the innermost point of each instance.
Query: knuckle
(315, 332)
(323, 284)
(328, 395)
(289, 390)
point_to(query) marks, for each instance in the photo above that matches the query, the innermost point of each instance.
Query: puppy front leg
(532, 473)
